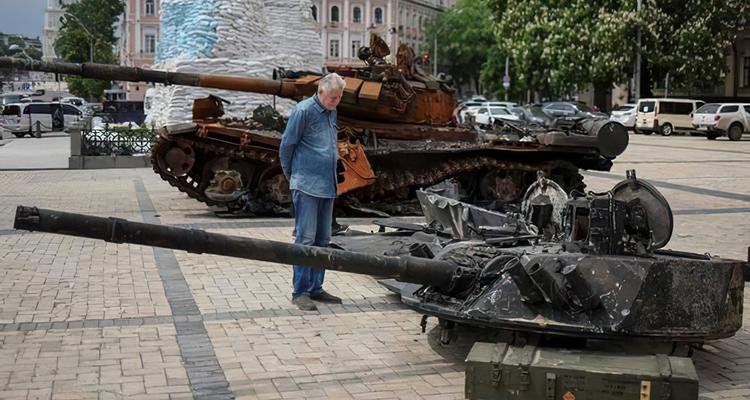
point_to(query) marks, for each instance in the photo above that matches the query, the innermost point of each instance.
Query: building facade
(52, 15)
(737, 82)
(139, 37)
(346, 25)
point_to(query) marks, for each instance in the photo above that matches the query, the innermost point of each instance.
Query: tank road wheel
(184, 177)
(667, 129)
(179, 159)
(735, 132)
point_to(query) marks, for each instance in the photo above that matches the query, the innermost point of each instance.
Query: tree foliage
(465, 35)
(90, 23)
(689, 39)
(559, 46)
(5, 51)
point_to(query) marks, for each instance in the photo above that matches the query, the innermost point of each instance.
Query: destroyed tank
(397, 134)
(591, 270)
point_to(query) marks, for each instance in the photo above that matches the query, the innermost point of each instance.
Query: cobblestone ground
(85, 319)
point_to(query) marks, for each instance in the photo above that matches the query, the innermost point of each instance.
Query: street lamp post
(637, 72)
(435, 56)
(91, 36)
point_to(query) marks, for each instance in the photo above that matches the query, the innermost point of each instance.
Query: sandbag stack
(231, 37)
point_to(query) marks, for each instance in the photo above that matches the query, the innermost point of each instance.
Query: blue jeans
(312, 222)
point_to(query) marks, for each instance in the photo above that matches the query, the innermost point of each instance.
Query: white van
(21, 119)
(665, 116)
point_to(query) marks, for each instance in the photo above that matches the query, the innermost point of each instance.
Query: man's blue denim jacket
(308, 149)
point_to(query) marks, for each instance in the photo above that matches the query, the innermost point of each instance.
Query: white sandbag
(231, 37)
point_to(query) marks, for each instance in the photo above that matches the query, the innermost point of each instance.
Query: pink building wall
(136, 49)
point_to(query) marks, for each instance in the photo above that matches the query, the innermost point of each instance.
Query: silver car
(729, 120)
(624, 115)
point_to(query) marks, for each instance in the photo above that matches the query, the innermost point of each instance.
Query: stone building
(139, 37)
(345, 25)
(52, 15)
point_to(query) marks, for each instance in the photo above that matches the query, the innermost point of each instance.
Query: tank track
(390, 183)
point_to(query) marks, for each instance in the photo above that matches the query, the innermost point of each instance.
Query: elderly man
(308, 157)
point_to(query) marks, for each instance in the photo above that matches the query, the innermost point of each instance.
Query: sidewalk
(51, 151)
(82, 318)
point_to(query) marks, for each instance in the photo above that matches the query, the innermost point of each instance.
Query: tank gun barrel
(280, 88)
(406, 268)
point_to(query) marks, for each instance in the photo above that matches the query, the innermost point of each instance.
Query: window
(378, 15)
(729, 109)
(747, 109)
(149, 43)
(356, 44)
(666, 107)
(335, 14)
(746, 72)
(357, 15)
(314, 12)
(12, 110)
(708, 109)
(70, 110)
(150, 7)
(333, 48)
(646, 106)
(683, 108)
(38, 109)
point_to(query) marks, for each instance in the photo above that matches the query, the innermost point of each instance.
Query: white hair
(330, 82)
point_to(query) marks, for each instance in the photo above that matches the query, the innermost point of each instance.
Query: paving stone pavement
(83, 319)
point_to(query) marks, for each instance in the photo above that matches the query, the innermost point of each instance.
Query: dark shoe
(304, 303)
(325, 297)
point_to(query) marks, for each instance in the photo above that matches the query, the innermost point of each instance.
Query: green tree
(559, 46)
(689, 40)
(17, 40)
(75, 40)
(553, 44)
(465, 35)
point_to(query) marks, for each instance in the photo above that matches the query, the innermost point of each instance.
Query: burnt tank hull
(500, 169)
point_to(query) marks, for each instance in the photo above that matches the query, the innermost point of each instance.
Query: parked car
(666, 116)
(464, 110)
(625, 115)
(21, 119)
(123, 111)
(731, 120)
(533, 114)
(76, 101)
(506, 104)
(703, 118)
(558, 109)
(487, 115)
